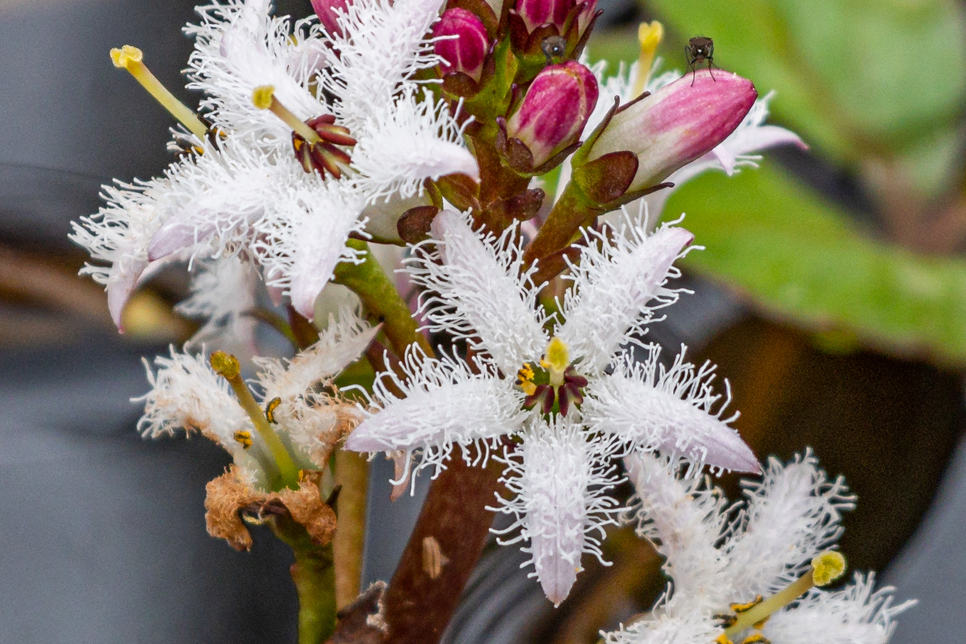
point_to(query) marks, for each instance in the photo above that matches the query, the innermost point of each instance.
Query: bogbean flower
(279, 445)
(752, 573)
(275, 173)
(551, 391)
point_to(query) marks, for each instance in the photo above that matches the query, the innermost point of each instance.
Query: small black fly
(698, 50)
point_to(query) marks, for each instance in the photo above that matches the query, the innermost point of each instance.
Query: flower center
(555, 383)
(826, 568)
(315, 141)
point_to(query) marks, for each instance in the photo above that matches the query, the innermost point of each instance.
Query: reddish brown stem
(418, 606)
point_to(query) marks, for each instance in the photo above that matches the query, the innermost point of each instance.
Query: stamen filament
(649, 36)
(227, 366)
(130, 58)
(826, 568)
(264, 99)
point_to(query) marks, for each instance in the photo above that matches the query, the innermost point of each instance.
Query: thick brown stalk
(454, 523)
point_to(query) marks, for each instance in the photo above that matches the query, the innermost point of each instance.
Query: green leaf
(794, 254)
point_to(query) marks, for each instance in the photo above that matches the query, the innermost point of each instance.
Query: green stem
(314, 576)
(570, 212)
(380, 297)
(352, 473)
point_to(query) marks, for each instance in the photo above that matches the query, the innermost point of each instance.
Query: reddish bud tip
(328, 17)
(463, 42)
(555, 109)
(678, 123)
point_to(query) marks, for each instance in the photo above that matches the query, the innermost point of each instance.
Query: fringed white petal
(560, 481)
(383, 44)
(443, 404)
(677, 509)
(345, 338)
(300, 246)
(240, 46)
(791, 515)
(118, 236)
(478, 291)
(223, 292)
(414, 140)
(852, 615)
(616, 286)
(670, 410)
(662, 628)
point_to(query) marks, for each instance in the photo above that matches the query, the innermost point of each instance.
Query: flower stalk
(132, 59)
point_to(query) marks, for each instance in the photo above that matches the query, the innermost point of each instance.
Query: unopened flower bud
(328, 17)
(462, 42)
(676, 124)
(554, 110)
(540, 12)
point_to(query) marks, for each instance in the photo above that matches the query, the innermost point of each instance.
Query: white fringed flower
(477, 292)
(187, 395)
(720, 557)
(244, 191)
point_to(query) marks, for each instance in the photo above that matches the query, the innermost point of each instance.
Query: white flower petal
(560, 480)
(668, 410)
(616, 285)
(478, 291)
(444, 404)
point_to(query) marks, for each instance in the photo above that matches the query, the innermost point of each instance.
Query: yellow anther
(131, 59)
(722, 639)
(756, 638)
(270, 410)
(827, 567)
(525, 379)
(744, 608)
(557, 360)
(649, 36)
(245, 438)
(225, 364)
(263, 97)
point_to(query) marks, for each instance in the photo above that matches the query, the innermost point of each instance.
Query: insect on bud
(555, 109)
(462, 42)
(328, 17)
(676, 124)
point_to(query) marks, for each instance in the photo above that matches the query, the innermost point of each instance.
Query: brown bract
(229, 497)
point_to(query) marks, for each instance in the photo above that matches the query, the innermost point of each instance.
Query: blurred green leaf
(794, 254)
(854, 77)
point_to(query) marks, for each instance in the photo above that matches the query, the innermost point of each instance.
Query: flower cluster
(752, 572)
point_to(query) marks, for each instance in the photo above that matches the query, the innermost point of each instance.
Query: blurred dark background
(832, 296)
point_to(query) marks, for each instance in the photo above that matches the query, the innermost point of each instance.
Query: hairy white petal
(686, 518)
(303, 242)
(662, 628)
(345, 338)
(616, 285)
(222, 293)
(416, 139)
(670, 410)
(560, 480)
(477, 291)
(443, 404)
(383, 44)
(852, 615)
(792, 514)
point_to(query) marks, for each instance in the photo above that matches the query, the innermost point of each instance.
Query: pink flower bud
(677, 124)
(464, 44)
(539, 12)
(555, 109)
(328, 17)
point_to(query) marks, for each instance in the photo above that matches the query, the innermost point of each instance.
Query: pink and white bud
(328, 17)
(677, 124)
(555, 109)
(541, 12)
(462, 42)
